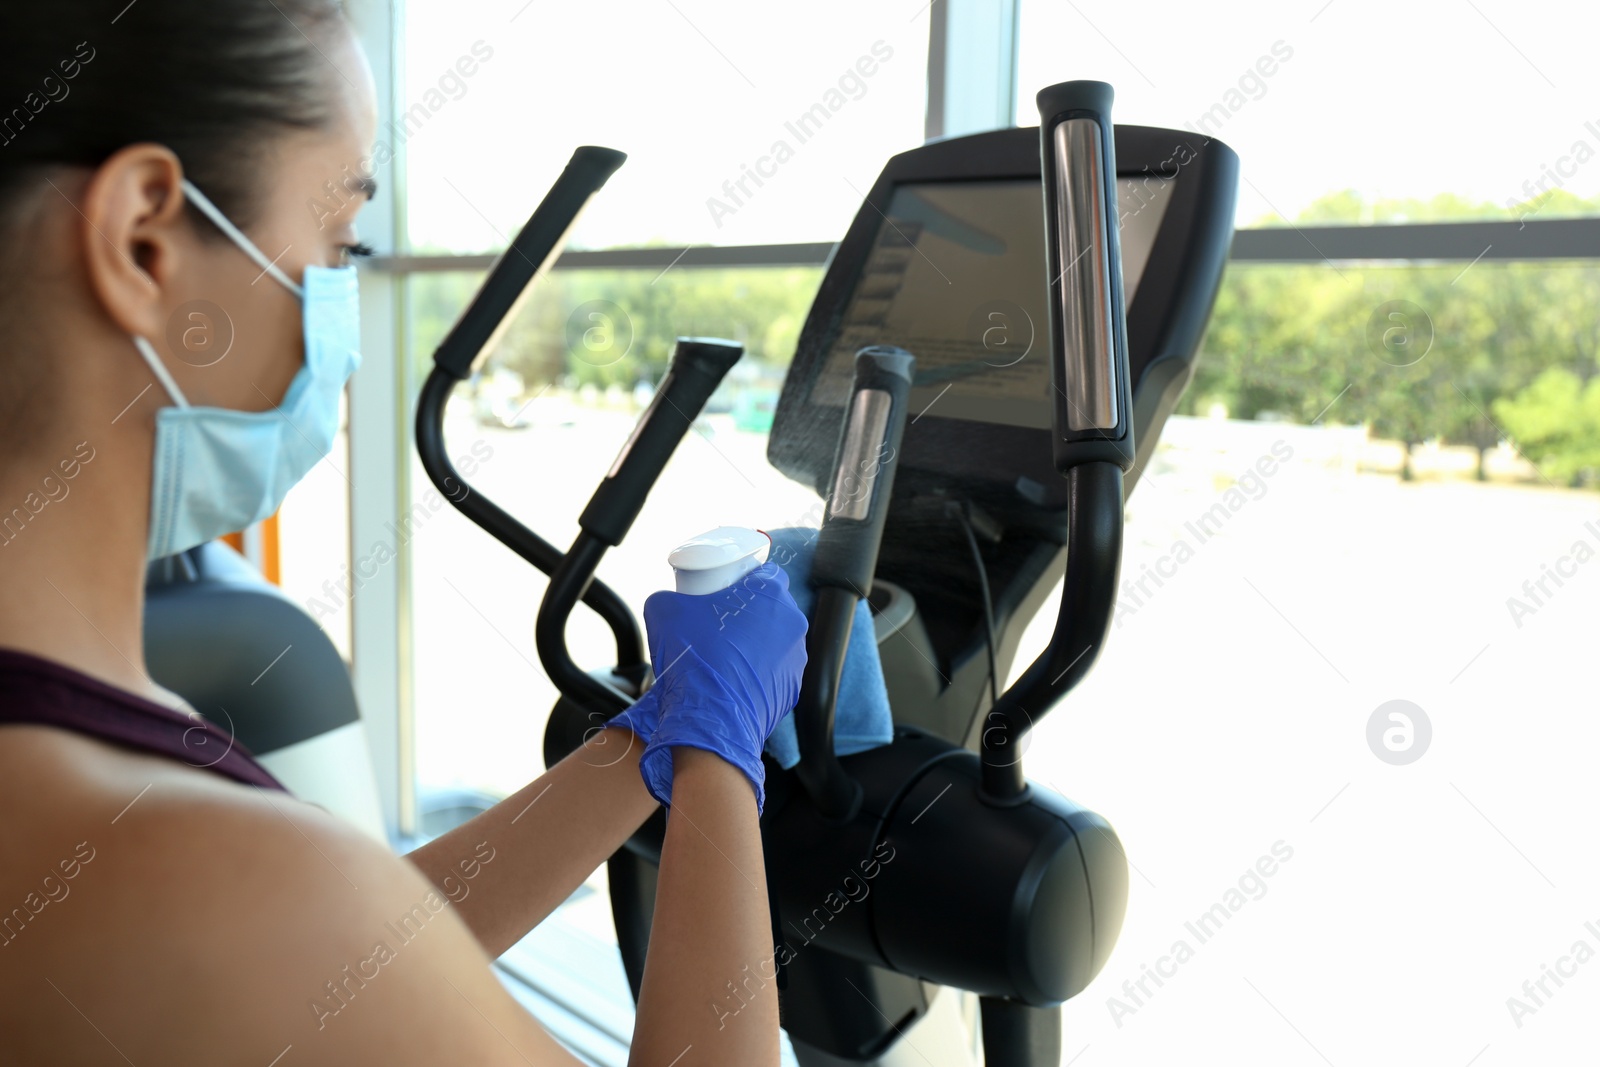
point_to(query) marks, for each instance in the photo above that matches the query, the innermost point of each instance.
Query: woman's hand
(728, 668)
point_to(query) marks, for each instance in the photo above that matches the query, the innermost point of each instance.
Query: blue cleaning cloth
(862, 719)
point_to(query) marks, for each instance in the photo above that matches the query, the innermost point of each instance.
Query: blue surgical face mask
(217, 470)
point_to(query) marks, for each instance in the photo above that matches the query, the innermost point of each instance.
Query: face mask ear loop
(218, 219)
(149, 353)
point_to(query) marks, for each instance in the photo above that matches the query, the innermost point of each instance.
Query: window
(744, 124)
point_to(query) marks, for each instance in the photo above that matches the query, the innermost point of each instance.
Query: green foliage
(1290, 341)
(1556, 420)
(615, 327)
(1348, 207)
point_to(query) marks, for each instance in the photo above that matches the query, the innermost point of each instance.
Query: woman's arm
(510, 867)
(709, 975)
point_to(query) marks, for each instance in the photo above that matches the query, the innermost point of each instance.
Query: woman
(161, 157)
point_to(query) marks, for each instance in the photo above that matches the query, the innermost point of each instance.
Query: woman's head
(266, 106)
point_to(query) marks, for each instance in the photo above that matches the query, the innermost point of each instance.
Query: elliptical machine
(963, 480)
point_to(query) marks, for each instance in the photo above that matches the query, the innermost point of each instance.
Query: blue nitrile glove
(728, 667)
(642, 717)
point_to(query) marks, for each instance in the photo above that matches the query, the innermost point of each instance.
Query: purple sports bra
(42, 692)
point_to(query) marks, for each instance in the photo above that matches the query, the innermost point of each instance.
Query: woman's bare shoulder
(71, 784)
(149, 907)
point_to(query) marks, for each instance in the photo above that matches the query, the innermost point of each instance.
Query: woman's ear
(133, 235)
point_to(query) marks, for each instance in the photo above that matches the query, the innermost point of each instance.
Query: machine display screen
(956, 275)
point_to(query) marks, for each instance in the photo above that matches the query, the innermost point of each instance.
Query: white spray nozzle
(718, 558)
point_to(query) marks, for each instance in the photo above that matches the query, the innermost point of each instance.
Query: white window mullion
(972, 67)
(380, 436)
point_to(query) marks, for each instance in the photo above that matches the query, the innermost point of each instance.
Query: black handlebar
(470, 340)
(846, 558)
(864, 466)
(697, 368)
(1088, 598)
(530, 254)
(1093, 418)
(1093, 415)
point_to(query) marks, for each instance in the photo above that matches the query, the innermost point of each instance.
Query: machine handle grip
(1088, 329)
(697, 368)
(864, 465)
(844, 562)
(530, 254)
(1093, 417)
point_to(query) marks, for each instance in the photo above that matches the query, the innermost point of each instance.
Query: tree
(1555, 420)
(1288, 339)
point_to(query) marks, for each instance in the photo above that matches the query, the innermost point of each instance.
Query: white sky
(1403, 98)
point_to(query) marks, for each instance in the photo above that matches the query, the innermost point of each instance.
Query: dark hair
(213, 80)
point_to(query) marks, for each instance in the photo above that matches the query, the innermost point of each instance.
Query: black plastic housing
(1031, 916)
(1010, 470)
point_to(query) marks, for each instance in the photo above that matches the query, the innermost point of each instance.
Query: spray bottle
(718, 558)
